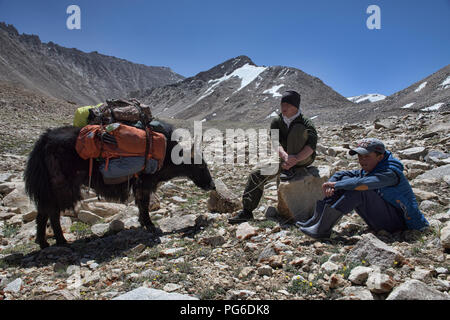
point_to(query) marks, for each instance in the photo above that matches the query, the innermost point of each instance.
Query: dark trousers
(370, 206)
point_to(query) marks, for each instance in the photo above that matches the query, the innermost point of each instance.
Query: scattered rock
(88, 217)
(14, 286)
(416, 290)
(245, 231)
(359, 274)
(416, 153)
(445, 236)
(379, 282)
(374, 251)
(143, 293)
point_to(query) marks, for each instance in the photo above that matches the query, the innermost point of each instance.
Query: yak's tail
(36, 175)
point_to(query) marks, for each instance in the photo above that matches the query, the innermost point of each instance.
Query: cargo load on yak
(123, 136)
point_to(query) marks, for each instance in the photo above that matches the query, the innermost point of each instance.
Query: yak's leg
(142, 200)
(57, 231)
(41, 226)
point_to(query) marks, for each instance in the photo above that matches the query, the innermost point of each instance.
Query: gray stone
(437, 173)
(374, 251)
(265, 271)
(266, 253)
(297, 197)
(329, 267)
(18, 199)
(445, 236)
(88, 217)
(181, 223)
(143, 293)
(14, 286)
(428, 205)
(359, 274)
(29, 216)
(116, 226)
(100, 229)
(422, 275)
(245, 231)
(416, 290)
(415, 153)
(356, 293)
(379, 282)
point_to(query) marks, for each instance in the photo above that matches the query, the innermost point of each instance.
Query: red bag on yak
(131, 142)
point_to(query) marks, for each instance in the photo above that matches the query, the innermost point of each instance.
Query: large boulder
(297, 197)
(374, 251)
(222, 199)
(416, 290)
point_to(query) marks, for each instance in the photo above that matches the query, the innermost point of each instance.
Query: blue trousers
(371, 207)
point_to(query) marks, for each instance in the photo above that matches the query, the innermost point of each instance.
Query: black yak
(55, 173)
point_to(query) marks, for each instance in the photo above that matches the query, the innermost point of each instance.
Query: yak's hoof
(43, 244)
(154, 230)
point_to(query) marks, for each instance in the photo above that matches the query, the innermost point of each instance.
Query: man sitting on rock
(298, 140)
(379, 193)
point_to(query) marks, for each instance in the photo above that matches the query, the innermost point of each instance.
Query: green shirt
(278, 123)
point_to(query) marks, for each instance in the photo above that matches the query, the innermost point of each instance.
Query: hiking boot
(322, 229)
(286, 175)
(316, 216)
(241, 216)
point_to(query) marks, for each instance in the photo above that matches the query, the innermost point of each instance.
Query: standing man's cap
(368, 145)
(292, 97)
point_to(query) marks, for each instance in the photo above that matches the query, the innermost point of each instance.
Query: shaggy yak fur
(55, 173)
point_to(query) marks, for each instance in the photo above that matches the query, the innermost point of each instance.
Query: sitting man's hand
(291, 161)
(328, 188)
(283, 155)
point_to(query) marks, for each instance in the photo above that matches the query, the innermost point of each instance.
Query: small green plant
(210, 294)
(81, 229)
(301, 286)
(10, 230)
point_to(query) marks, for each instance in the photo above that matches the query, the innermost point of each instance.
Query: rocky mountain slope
(71, 74)
(239, 90)
(110, 256)
(428, 94)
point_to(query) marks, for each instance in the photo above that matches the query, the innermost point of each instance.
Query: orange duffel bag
(131, 142)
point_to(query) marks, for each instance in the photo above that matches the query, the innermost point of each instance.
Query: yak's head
(194, 168)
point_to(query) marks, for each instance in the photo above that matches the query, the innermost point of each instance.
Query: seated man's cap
(368, 145)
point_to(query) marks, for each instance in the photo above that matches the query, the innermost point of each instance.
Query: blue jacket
(388, 180)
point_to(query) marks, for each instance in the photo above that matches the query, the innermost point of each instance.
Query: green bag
(80, 118)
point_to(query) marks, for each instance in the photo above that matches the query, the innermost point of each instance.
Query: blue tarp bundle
(126, 166)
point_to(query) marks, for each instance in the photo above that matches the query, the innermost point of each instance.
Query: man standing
(379, 192)
(297, 138)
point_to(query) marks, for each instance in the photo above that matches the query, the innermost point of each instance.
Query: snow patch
(407, 106)
(273, 114)
(422, 85)
(371, 97)
(445, 84)
(433, 107)
(273, 90)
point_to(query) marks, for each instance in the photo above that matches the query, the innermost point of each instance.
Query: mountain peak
(9, 28)
(224, 68)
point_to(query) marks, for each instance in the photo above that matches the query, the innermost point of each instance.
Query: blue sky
(327, 39)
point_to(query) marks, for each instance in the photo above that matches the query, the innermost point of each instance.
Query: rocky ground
(110, 255)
